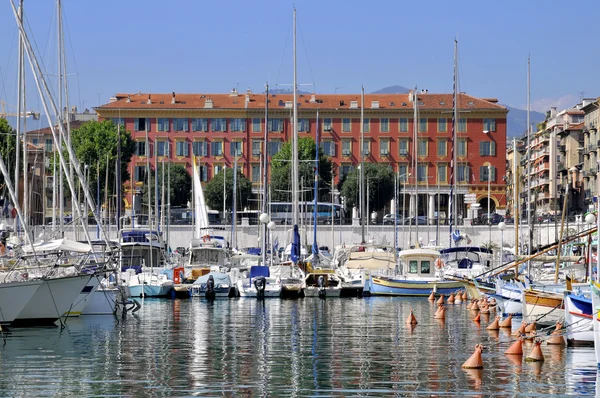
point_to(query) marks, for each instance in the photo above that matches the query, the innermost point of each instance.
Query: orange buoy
(507, 323)
(515, 348)
(474, 361)
(431, 297)
(495, 324)
(458, 298)
(536, 354)
(441, 313)
(451, 298)
(441, 299)
(485, 309)
(557, 337)
(411, 320)
(469, 305)
(477, 318)
(475, 306)
(532, 335)
(530, 327)
(465, 297)
(521, 329)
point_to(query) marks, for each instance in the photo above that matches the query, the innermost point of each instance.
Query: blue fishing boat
(578, 317)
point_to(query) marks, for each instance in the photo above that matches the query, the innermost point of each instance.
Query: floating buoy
(451, 299)
(411, 320)
(441, 299)
(477, 318)
(536, 354)
(440, 313)
(465, 297)
(532, 335)
(469, 305)
(557, 337)
(515, 348)
(485, 309)
(495, 324)
(475, 306)
(458, 298)
(492, 302)
(431, 297)
(507, 323)
(474, 361)
(529, 328)
(521, 329)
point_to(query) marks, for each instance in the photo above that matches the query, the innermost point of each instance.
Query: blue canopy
(295, 254)
(259, 270)
(465, 249)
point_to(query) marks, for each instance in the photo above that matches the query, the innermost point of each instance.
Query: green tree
(213, 191)
(281, 171)
(95, 145)
(181, 185)
(8, 142)
(381, 185)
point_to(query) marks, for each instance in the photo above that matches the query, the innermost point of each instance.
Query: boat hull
(542, 308)
(400, 287)
(145, 290)
(508, 305)
(312, 291)
(51, 300)
(14, 296)
(578, 314)
(82, 299)
(200, 291)
(102, 301)
(248, 290)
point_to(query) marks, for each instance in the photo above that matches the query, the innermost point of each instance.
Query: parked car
(388, 219)
(422, 220)
(488, 219)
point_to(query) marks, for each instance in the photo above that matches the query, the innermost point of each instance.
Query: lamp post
(590, 220)
(501, 227)
(271, 227)
(489, 178)
(264, 219)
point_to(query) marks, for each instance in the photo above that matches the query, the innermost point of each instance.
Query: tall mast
(362, 165)
(20, 77)
(452, 198)
(118, 178)
(265, 177)
(295, 165)
(529, 226)
(316, 198)
(416, 164)
(61, 206)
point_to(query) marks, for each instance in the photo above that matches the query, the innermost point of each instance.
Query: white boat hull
(101, 302)
(51, 300)
(581, 327)
(312, 291)
(271, 290)
(14, 296)
(146, 290)
(83, 297)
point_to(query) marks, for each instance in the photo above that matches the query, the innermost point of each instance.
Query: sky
(116, 46)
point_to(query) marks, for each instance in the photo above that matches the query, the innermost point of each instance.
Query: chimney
(247, 99)
(149, 99)
(248, 91)
(112, 99)
(173, 98)
(410, 96)
(234, 92)
(552, 112)
(208, 103)
(128, 98)
(313, 98)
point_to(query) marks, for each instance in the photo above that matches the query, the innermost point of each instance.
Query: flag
(295, 254)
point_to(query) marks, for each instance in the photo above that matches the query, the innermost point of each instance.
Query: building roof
(236, 100)
(578, 126)
(47, 131)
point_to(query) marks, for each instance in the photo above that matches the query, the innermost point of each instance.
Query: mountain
(392, 90)
(516, 121)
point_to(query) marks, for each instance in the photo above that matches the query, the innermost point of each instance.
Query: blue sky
(212, 46)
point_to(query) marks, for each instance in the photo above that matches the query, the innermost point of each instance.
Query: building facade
(216, 128)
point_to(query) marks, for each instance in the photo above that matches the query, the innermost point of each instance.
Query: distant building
(215, 128)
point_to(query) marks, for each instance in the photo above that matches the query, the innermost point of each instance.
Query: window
(442, 172)
(139, 173)
(219, 124)
(161, 148)
(141, 124)
(384, 147)
(276, 125)
(255, 173)
(35, 141)
(329, 148)
(217, 148)
(487, 148)
(346, 147)
(327, 124)
(462, 173)
(425, 267)
(366, 125)
(485, 175)
(274, 147)
(462, 125)
(442, 148)
(384, 125)
(237, 124)
(366, 147)
(200, 148)
(118, 121)
(256, 122)
(423, 124)
(346, 125)
(303, 125)
(256, 148)
(200, 125)
(423, 147)
(345, 169)
(218, 169)
(403, 147)
(422, 172)
(182, 148)
(235, 148)
(49, 145)
(413, 266)
(162, 124)
(180, 124)
(403, 171)
(489, 124)
(140, 148)
(203, 172)
(461, 149)
(403, 125)
(442, 125)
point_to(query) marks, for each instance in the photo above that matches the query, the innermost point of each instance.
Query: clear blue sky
(212, 46)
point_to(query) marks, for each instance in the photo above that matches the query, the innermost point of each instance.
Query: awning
(59, 244)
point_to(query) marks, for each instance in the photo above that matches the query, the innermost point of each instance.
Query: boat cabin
(419, 262)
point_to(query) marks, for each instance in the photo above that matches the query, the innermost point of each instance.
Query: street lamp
(501, 227)
(271, 227)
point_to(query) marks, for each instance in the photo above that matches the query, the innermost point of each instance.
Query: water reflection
(283, 348)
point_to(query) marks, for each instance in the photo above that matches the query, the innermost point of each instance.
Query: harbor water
(306, 347)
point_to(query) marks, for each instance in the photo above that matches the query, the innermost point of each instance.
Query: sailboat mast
(529, 226)
(362, 165)
(61, 205)
(316, 198)
(20, 77)
(118, 178)
(265, 177)
(415, 164)
(453, 197)
(295, 178)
